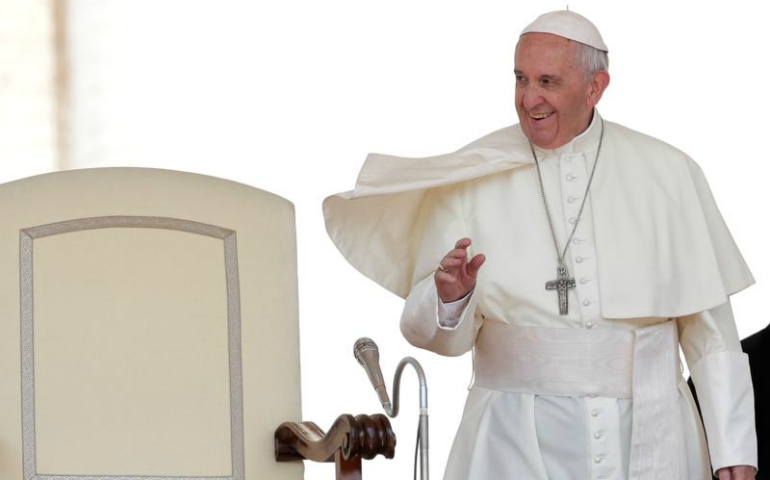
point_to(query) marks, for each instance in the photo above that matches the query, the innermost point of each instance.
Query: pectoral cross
(562, 284)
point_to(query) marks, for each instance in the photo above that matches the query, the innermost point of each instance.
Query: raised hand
(456, 275)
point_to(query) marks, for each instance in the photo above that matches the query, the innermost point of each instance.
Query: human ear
(598, 84)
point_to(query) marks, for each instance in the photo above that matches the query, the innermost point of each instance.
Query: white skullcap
(567, 24)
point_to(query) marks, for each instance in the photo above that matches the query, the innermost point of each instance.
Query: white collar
(580, 143)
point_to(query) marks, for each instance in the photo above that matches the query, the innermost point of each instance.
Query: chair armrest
(348, 441)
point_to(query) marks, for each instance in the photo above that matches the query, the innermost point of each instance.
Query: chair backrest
(148, 327)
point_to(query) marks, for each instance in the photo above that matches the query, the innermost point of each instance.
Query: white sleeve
(420, 322)
(426, 322)
(722, 378)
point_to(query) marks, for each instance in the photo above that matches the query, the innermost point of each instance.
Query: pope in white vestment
(595, 393)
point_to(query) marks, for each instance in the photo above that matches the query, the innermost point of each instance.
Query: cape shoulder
(388, 174)
(376, 226)
(665, 249)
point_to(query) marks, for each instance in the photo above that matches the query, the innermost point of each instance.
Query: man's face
(553, 95)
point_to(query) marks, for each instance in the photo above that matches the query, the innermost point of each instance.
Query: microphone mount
(367, 354)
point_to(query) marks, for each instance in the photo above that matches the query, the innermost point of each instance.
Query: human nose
(531, 96)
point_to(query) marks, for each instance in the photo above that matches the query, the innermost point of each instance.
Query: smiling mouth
(540, 116)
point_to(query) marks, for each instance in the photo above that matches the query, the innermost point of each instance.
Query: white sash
(640, 364)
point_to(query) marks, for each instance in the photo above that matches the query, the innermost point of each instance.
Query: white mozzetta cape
(665, 249)
(650, 231)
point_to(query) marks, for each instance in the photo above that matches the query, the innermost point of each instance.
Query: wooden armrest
(349, 440)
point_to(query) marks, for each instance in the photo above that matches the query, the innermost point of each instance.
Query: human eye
(548, 82)
(520, 80)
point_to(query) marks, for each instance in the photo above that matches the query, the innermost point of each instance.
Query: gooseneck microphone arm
(367, 354)
(397, 386)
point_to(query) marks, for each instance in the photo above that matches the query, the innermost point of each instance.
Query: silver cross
(562, 284)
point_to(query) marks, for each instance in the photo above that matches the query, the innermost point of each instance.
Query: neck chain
(563, 282)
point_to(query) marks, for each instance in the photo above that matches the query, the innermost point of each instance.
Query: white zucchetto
(570, 25)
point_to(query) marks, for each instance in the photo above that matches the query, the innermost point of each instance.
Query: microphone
(368, 355)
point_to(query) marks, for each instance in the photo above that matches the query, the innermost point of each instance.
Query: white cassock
(568, 396)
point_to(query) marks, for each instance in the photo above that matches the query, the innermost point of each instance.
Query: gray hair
(591, 59)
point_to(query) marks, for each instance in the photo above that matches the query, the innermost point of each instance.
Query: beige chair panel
(148, 327)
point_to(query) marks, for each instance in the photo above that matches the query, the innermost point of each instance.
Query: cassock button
(572, 199)
(567, 159)
(570, 177)
(598, 434)
(577, 240)
(573, 220)
(595, 412)
(586, 303)
(584, 280)
(591, 325)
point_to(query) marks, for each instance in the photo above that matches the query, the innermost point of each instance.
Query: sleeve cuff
(726, 397)
(451, 314)
(421, 327)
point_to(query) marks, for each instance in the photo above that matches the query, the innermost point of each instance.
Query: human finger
(475, 264)
(450, 262)
(724, 474)
(458, 253)
(743, 472)
(444, 277)
(463, 243)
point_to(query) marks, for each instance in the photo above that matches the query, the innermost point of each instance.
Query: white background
(290, 96)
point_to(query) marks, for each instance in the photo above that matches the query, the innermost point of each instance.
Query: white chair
(149, 331)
